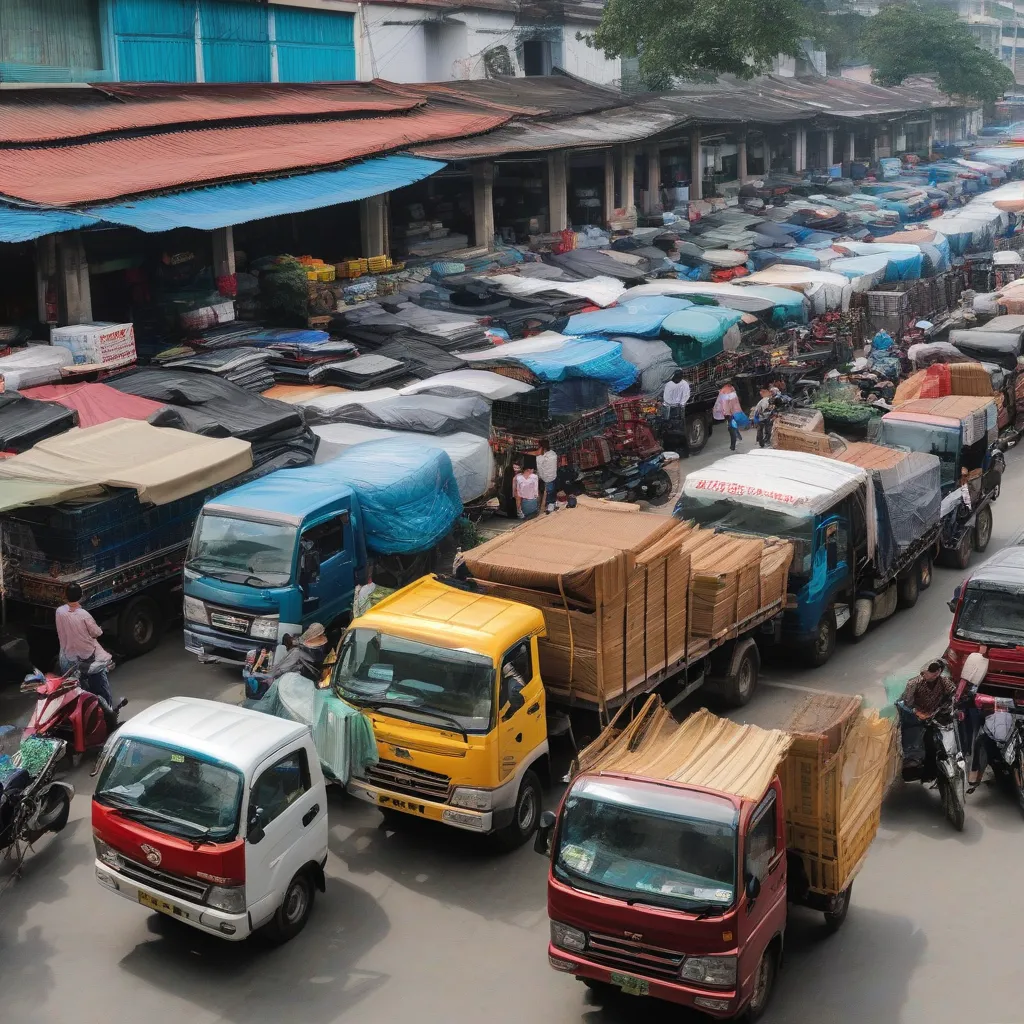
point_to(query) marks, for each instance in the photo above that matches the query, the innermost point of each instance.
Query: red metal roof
(109, 169)
(46, 115)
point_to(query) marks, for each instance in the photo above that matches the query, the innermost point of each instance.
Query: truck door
(286, 805)
(764, 859)
(325, 570)
(522, 724)
(833, 549)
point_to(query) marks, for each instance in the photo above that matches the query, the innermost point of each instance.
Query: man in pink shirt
(78, 633)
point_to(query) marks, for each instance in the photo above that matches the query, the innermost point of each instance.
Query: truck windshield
(736, 517)
(171, 790)
(453, 686)
(990, 615)
(646, 843)
(929, 438)
(242, 551)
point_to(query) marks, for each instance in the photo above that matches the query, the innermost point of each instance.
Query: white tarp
(546, 341)
(34, 365)
(472, 458)
(325, 404)
(485, 383)
(602, 291)
(825, 290)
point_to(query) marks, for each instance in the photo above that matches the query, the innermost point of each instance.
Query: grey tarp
(426, 414)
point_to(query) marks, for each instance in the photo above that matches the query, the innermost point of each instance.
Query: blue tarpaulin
(586, 357)
(708, 323)
(22, 223)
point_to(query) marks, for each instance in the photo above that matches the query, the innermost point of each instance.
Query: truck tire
(659, 490)
(736, 688)
(924, 572)
(908, 589)
(764, 982)
(524, 817)
(291, 917)
(982, 529)
(959, 556)
(697, 433)
(139, 626)
(836, 914)
(820, 649)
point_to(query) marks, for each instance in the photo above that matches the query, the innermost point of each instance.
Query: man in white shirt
(547, 470)
(673, 408)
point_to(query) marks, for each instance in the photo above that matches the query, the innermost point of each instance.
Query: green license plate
(630, 985)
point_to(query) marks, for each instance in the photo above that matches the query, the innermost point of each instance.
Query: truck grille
(634, 956)
(401, 778)
(230, 622)
(190, 889)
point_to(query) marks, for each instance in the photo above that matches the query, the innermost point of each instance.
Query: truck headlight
(195, 611)
(474, 799)
(264, 627)
(107, 854)
(713, 971)
(566, 937)
(229, 898)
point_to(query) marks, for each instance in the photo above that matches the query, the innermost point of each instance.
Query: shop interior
(520, 199)
(432, 216)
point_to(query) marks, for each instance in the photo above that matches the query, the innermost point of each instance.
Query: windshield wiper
(137, 813)
(394, 705)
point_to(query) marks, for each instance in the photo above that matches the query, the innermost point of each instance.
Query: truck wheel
(697, 433)
(524, 817)
(982, 529)
(836, 914)
(292, 915)
(820, 649)
(738, 687)
(924, 572)
(908, 588)
(960, 556)
(139, 627)
(764, 981)
(659, 490)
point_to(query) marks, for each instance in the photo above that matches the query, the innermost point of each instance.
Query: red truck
(664, 884)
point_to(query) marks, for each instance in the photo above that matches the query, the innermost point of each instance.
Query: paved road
(422, 924)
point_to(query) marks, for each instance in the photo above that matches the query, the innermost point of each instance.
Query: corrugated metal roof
(20, 224)
(560, 94)
(210, 208)
(47, 114)
(94, 171)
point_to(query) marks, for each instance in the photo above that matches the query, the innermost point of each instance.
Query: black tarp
(424, 414)
(24, 421)
(992, 346)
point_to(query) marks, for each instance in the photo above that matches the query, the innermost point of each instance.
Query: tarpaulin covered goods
(24, 421)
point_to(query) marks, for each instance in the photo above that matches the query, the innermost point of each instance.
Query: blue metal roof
(296, 492)
(22, 223)
(221, 205)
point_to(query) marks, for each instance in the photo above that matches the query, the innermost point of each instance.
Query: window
(517, 666)
(328, 538)
(761, 840)
(280, 786)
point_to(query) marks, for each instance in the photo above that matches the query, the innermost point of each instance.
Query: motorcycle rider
(79, 635)
(926, 694)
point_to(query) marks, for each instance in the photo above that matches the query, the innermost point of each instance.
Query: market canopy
(160, 463)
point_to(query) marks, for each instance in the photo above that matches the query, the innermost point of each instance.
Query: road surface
(424, 924)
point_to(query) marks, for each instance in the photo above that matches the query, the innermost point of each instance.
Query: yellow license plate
(398, 803)
(630, 985)
(155, 903)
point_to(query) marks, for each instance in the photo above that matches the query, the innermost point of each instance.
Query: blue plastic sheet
(616, 320)
(704, 324)
(904, 267)
(586, 357)
(407, 493)
(654, 304)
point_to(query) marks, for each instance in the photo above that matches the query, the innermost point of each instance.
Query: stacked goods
(725, 573)
(785, 438)
(969, 379)
(943, 379)
(97, 344)
(840, 762)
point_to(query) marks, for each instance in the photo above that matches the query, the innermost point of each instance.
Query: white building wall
(583, 60)
(391, 44)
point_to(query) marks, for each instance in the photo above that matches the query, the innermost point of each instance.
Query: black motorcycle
(944, 764)
(1008, 766)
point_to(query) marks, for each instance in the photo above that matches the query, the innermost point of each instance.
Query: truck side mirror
(753, 887)
(951, 605)
(542, 841)
(255, 833)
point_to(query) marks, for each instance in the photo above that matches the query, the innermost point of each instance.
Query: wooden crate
(832, 869)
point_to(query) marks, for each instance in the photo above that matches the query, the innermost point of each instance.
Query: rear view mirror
(753, 887)
(542, 841)
(255, 833)
(951, 605)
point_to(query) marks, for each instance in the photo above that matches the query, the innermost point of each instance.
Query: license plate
(193, 644)
(232, 622)
(630, 985)
(155, 903)
(399, 804)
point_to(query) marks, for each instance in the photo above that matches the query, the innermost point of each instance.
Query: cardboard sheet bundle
(625, 593)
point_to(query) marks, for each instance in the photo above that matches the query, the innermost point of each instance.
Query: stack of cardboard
(970, 379)
(725, 581)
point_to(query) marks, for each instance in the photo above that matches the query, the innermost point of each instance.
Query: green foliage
(700, 39)
(906, 39)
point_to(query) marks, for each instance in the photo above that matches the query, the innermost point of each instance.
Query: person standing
(727, 404)
(673, 409)
(79, 633)
(547, 470)
(526, 491)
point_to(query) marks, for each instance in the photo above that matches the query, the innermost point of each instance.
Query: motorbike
(643, 480)
(944, 765)
(1008, 767)
(32, 803)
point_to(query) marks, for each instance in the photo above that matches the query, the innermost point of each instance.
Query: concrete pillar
(766, 154)
(73, 272)
(46, 272)
(800, 150)
(373, 229)
(608, 196)
(741, 159)
(224, 251)
(558, 192)
(483, 205)
(628, 172)
(830, 148)
(696, 166)
(931, 129)
(852, 155)
(653, 179)
(874, 148)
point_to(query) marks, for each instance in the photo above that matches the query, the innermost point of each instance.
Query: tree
(907, 39)
(700, 39)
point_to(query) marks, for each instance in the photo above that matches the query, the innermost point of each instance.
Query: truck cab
(988, 609)
(450, 679)
(669, 890)
(270, 558)
(214, 815)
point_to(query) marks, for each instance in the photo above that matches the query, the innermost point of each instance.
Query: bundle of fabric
(249, 368)
(425, 414)
(24, 421)
(36, 364)
(492, 386)
(94, 404)
(363, 372)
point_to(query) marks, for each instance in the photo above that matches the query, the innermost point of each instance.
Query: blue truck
(863, 538)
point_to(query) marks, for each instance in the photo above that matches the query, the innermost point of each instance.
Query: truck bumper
(723, 1005)
(458, 817)
(233, 927)
(226, 648)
